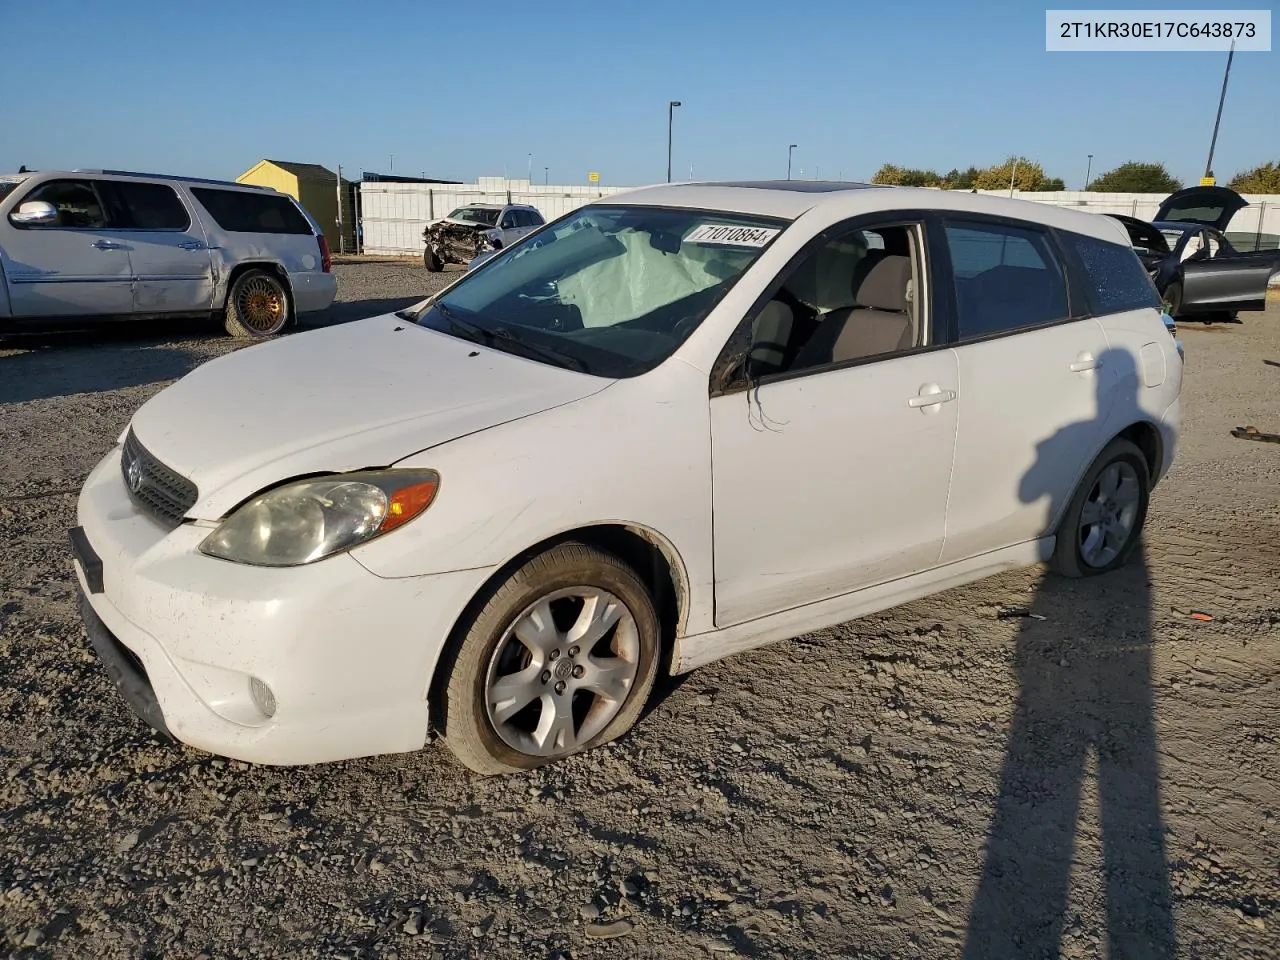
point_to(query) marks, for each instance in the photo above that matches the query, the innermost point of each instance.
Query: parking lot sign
(593, 177)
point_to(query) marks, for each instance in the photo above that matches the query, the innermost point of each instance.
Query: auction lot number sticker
(731, 236)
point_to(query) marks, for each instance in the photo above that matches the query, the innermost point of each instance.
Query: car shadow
(1084, 692)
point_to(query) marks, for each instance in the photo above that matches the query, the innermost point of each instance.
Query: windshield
(475, 215)
(1173, 237)
(611, 291)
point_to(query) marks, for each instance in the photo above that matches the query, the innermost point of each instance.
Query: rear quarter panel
(1155, 385)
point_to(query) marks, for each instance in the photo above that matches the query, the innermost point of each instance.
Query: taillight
(326, 258)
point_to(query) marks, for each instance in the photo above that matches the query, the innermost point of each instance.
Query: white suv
(109, 243)
(679, 423)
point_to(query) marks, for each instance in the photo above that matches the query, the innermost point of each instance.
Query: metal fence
(393, 215)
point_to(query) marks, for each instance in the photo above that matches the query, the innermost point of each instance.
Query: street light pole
(790, 147)
(1088, 171)
(1208, 167)
(546, 175)
(530, 177)
(671, 107)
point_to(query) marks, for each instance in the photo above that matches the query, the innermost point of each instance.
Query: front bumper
(347, 655)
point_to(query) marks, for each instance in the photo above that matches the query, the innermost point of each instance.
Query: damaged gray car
(474, 229)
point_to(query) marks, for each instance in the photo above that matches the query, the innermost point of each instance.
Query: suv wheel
(257, 306)
(431, 261)
(560, 659)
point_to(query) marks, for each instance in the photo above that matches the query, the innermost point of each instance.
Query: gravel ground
(928, 782)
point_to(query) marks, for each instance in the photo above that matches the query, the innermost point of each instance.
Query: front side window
(1006, 278)
(611, 291)
(854, 297)
(1117, 279)
(151, 206)
(76, 201)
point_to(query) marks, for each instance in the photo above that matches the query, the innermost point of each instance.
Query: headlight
(312, 519)
(486, 242)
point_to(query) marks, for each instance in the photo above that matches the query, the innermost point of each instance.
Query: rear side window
(150, 206)
(243, 212)
(533, 218)
(1117, 279)
(1006, 278)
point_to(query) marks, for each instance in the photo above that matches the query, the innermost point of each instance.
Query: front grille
(152, 486)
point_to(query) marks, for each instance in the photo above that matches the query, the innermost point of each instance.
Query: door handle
(1085, 361)
(107, 245)
(931, 396)
(192, 245)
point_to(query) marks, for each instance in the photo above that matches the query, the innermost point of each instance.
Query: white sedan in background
(688, 421)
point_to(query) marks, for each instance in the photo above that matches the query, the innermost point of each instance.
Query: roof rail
(169, 176)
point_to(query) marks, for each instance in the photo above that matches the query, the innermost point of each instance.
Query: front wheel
(560, 658)
(257, 306)
(1103, 522)
(432, 261)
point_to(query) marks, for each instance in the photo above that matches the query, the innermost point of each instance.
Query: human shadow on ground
(1084, 688)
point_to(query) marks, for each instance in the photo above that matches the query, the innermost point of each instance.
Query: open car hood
(1143, 236)
(1207, 206)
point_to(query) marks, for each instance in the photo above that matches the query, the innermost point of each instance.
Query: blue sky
(460, 90)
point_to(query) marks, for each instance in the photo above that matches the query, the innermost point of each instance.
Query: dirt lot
(931, 782)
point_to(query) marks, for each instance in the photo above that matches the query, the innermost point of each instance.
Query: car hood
(1207, 206)
(349, 397)
(446, 221)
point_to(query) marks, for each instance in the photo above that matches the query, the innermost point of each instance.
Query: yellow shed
(316, 188)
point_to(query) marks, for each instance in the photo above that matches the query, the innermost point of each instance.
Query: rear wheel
(1103, 522)
(560, 658)
(257, 306)
(431, 261)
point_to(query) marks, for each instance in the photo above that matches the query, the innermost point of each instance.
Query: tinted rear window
(151, 206)
(244, 212)
(1117, 279)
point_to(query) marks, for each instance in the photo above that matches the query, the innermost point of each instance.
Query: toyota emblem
(133, 473)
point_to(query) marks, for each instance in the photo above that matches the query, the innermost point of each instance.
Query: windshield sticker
(731, 236)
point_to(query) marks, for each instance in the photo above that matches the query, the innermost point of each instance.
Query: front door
(1035, 385)
(172, 264)
(77, 266)
(831, 472)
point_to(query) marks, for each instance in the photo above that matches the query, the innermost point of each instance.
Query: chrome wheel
(1110, 514)
(261, 304)
(562, 671)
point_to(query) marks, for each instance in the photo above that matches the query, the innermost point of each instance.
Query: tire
(431, 261)
(1173, 297)
(1072, 555)
(492, 735)
(258, 305)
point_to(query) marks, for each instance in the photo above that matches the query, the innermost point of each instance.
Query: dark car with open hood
(1196, 269)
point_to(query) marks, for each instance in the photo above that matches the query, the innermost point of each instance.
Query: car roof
(1185, 226)
(479, 206)
(790, 199)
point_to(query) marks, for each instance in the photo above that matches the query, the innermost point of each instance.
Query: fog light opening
(263, 698)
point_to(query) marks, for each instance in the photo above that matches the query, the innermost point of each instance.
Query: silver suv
(84, 244)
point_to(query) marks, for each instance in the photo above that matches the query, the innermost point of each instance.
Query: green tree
(1261, 179)
(1026, 174)
(1136, 177)
(1052, 183)
(955, 179)
(905, 177)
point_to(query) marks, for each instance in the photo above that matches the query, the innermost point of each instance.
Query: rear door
(78, 266)
(172, 265)
(1031, 384)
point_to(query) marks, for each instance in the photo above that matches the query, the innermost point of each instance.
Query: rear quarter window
(243, 212)
(1117, 281)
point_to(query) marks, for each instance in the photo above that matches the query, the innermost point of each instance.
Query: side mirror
(37, 213)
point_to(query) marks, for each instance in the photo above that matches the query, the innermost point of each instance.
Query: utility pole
(1208, 166)
(790, 147)
(342, 237)
(1088, 170)
(1013, 175)
(671, 106)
